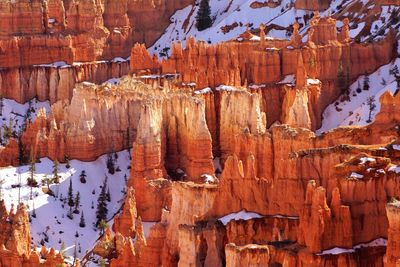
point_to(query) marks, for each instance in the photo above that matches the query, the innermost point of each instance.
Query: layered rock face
(76, 30)
(258, 63)
(55, 83)
(285, 171)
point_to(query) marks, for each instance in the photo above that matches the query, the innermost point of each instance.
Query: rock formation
(269, 64)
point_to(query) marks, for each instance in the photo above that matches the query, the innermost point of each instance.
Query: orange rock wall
(54, 84)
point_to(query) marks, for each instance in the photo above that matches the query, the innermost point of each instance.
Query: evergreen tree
(70, 195)
(34, 211)
(32, 168)
(77, 202)
(366, 82)
(371, 104)
(110, 164)
(102, 210)
(102, 226)
(82, 177)
(82, 223)
(67, 165)
(203, 17)
(396, 73)
(56, 177)
(46, 181)
(108, 195)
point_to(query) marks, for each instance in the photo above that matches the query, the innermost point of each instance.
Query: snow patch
(241, 215)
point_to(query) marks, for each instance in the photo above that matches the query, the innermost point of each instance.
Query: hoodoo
(199, 133)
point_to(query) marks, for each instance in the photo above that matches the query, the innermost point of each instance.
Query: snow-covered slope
(232, 17)
(18, 114)
(51, 212)
(356, 110)
(227, 13)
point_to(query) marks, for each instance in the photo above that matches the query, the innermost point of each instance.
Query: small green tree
(396, 73)
(102, 226)
(67, 165)
(31, 180)
(110, 164)
(70, 195)
(46, 181)
(77, 202)
(56, 177)
(203, 17)
(102, 210)
(102, 262)
(82, 223)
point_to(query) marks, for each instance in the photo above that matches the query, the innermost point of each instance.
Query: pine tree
(203, 17)
(77, 202)
(396, 73)
(67, 165)
(366, 82)
(34, 211)
(55, 172)
(371, 104)
(82, 223)
(110, 164)
(46, 181)
(102, 210)
(32, 168)
(108, 195)
(70, 195)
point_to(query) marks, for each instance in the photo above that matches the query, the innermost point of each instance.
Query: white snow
(57, 64)
(356, 111)
(208, 178)
(395, 169)
(365, 160)
(227, 13)
(113, 81)
(241, 215)
(379, 242)
(226, 88)
(119, 59)
(356, 175)
(289, 79)
(313, 81)
(396, 147)
(49, 210)
(203, 91)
